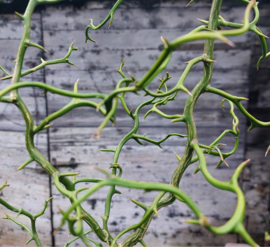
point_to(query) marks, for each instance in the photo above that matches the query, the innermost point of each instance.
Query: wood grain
(135, 37)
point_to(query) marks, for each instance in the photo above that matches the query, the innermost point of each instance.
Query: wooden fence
(135, 37)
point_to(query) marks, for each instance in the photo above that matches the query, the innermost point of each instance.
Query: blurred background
(135, 37)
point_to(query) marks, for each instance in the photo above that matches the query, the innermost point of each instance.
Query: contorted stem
(33, 232)
(237, 101)
(190, 124)
(30, 126)
(65, 59)
(110, 16)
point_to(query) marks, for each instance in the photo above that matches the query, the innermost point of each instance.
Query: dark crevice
(255, 79)
(9, 6)
(48, 135)
(242, 177)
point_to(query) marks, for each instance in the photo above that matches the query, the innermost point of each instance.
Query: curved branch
(235, 224)
(65, 59)
(237, 101)
(75, 103)
(110, 16)
(180, 83)
(50, 89)
(135, 136)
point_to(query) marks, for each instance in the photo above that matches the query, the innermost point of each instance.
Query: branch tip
(197, 169)
(19, 15)
(155, 211)
(251, 127)
(225, 163)
(267, 151)
(95, 135)
(189, 3)
(230, 43)
(177, 156)
(165, 42)
(108, 175)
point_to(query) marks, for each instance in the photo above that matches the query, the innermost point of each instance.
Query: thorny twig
(66, 186)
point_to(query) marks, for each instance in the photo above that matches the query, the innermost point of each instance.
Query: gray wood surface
(257, 174)
(29, 187)
(135, 37)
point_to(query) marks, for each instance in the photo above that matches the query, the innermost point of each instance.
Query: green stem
(67, 187)
(237, 101)
(190, 124)
(35, 234)
(30, 127)
(51, 89)
(73, 104)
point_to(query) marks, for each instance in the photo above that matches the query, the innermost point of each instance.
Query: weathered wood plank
(10, 37)
(204, 118)
(256, 182)
(112, 40)
(256, 176)
(230, 77)
(69, 18)
(105, 81)
(28, 189)
(71, 145)
(134, 159)
(12, 25)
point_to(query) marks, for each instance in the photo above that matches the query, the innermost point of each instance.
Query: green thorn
(238, 171)
(3, 186)
(139, 204)
(6, 217)
(252, 126)
(69, 174)
(103, 218)
(19, 15)
(47, 126)
(197, 169)
(31, 239)
(19, 213)
(102, 170)
(219, 163)
(165, 42)
(177, 156)
(122, 65)
(268, 149)
(147, 113)
(190, 3)
(155, 211)
(25, 164)
(76, 86)
(192, 221)
(107, 150)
